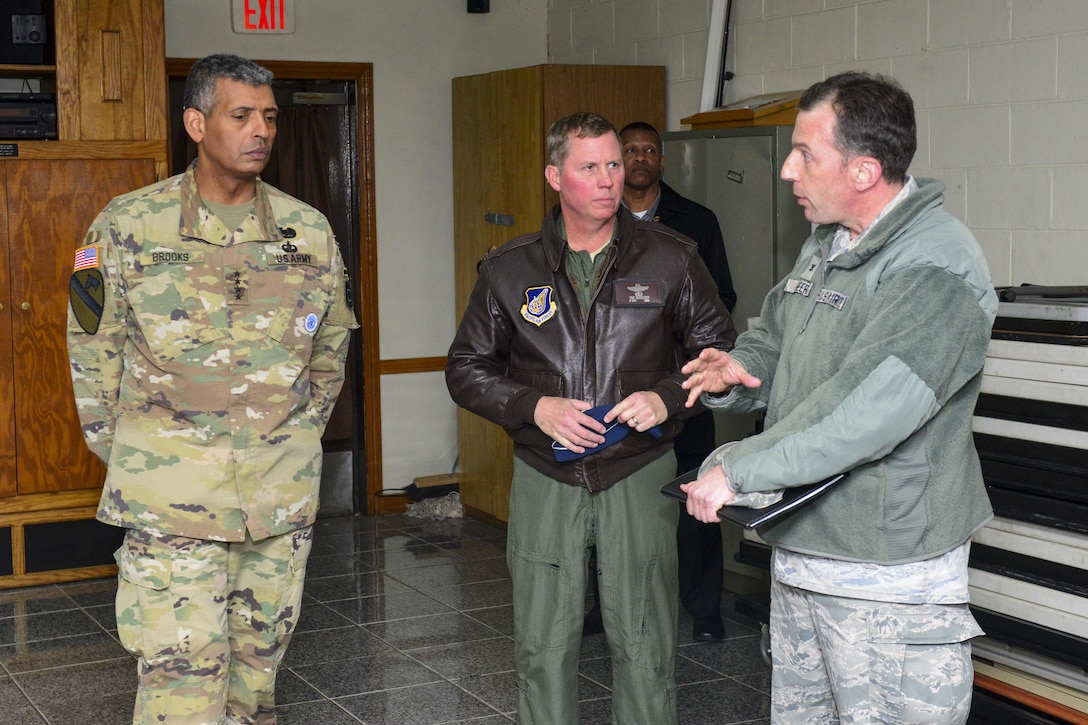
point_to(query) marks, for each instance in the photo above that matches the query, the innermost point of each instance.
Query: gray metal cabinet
(734, 172)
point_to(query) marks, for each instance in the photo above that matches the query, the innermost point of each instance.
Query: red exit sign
(263, 16)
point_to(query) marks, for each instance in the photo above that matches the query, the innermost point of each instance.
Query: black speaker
(479, 6)
(23, 33)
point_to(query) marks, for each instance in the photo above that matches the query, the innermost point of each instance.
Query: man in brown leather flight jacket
(594, 310)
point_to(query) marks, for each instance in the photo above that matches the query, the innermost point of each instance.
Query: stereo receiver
(28, 116)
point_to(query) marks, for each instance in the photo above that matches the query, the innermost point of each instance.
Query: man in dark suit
(651, 199)
(648, 198)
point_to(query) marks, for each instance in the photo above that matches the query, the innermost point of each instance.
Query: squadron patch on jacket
(638, 293)
(539, 306)
(86, 294)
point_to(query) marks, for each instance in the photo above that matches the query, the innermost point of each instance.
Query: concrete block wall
(1000, 88)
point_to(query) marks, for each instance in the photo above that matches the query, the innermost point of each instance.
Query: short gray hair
(200, 85)
(583, 125)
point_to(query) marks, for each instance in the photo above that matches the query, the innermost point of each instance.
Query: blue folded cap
(617, 431)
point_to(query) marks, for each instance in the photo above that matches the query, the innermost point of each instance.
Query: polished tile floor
(407, 621)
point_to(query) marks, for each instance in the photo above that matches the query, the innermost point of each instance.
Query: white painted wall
(1000, 90)
(417, 47)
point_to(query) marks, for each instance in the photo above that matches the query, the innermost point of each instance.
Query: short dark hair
(642, 126)
(875, 118)
(582, 124)
(200, 84)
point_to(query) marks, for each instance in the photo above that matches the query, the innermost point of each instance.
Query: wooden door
(50, 205)
(7, 370)
(517, 181)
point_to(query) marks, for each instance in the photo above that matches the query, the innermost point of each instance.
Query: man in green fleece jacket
(867, 358)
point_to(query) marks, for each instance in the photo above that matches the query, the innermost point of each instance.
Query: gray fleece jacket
(871, 363)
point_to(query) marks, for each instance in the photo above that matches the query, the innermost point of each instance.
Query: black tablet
(792, 499)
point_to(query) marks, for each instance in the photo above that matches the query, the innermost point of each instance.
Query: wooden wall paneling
(53, 215)
(7, 371)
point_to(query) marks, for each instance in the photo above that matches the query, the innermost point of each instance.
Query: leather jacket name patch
(638, 293)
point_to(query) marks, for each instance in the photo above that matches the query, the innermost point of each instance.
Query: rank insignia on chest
(539, 306)
(637, 293)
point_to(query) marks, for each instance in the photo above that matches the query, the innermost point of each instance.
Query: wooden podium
(769, 109)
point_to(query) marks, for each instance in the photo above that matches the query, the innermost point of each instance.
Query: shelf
(27, 71)
(770, 109)
(85, 149)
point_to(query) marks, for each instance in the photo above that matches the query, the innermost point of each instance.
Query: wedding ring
(635, 421)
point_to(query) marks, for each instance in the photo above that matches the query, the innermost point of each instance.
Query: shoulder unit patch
(86, 293)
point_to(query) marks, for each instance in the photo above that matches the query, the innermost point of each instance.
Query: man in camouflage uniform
(867, 358)
(208, 332)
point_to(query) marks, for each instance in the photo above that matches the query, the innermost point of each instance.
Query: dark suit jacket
(696, 221)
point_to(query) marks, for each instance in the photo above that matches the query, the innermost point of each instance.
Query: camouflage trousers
(210, 622)
(841, 660)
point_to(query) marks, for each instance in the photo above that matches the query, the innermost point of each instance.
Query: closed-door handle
(503, 220)
(26, 306)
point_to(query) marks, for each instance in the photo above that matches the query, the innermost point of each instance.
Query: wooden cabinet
(111, 70)
(500, 120)
(49, 481)
(105, 64)
(110, 83)
(46, 215)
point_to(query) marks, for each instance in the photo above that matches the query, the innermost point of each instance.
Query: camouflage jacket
(205, 363)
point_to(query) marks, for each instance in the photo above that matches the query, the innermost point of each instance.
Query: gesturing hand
(714, 371)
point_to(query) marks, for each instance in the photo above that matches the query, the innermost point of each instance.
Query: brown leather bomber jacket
(525, 336)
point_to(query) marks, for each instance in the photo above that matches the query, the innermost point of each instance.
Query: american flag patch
(87, 257)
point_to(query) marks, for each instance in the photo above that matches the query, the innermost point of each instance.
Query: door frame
(368, 382)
